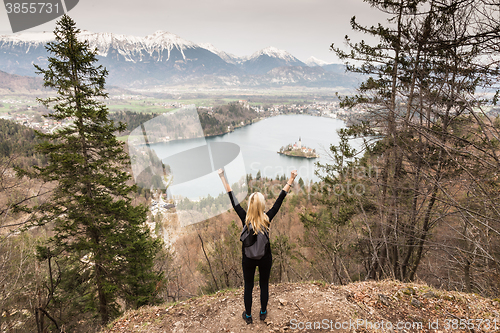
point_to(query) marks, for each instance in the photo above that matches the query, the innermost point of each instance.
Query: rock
(384, 299)
(430, 294)
(415, 302)
(408, 291)
(282, 301)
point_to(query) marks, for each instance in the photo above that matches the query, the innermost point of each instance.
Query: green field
(122, 138)
(202, 101)
(136, 106)
(5, 109)
(154, 105)
(146, 103)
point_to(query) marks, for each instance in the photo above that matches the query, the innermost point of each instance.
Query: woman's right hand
(220, 172)
(293, 175)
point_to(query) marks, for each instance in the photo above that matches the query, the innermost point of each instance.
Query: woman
(260, 222)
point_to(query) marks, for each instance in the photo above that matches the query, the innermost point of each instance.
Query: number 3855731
(31, 7)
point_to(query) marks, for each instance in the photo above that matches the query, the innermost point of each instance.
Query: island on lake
(297, 150)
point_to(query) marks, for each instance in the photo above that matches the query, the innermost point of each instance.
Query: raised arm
(290, 181)
(239, 210)
(277, 204)
(224, 180)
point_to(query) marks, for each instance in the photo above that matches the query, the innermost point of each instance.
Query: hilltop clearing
(316, 307)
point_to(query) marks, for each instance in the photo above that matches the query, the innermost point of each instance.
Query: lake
(259, 144)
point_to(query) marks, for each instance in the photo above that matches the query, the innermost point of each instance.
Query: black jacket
(242, 214)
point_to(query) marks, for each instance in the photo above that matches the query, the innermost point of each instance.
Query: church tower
(300, 143)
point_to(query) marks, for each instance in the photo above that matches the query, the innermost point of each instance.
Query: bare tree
(422, 92)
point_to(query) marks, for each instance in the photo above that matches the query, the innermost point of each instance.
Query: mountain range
(165, 59)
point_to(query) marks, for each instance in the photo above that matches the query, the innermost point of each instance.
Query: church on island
(297, 150)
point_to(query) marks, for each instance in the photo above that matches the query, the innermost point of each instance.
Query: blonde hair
(255, 214)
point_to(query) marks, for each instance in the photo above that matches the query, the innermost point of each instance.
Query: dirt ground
(386, 306)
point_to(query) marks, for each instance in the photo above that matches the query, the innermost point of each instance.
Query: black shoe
(247, 319)
(263, 315)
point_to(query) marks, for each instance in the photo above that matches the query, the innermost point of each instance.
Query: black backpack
(254, 245)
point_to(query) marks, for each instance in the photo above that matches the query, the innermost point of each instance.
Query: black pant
(249, 265)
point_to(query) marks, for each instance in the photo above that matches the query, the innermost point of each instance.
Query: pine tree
(98, 233)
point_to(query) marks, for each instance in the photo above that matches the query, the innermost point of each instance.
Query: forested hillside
(10, 83)
(18, 141)
(219, 120)
(224, 118)
(131, 119)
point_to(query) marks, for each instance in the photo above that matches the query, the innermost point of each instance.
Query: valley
(397, 174)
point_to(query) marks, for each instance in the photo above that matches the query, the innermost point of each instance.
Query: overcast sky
(302, 27)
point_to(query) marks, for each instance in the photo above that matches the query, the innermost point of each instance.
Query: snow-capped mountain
(273, 52)
(162, 58)
(161, 46)
(313, 61)
(131, 48)
(266, 59)
(34, 39)
(227, 57)
(329, 67)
